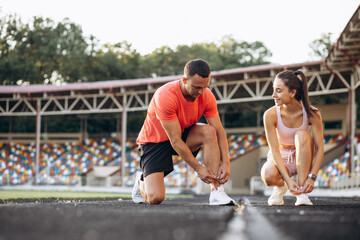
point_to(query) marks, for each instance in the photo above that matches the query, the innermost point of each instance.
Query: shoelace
(219, 191)
(303, 196)
(278, 190)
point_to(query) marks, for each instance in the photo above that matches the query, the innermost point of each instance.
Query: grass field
(35, 194)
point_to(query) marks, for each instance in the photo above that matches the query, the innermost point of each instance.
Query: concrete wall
(242, 169)
(335, 112)
(103, 176)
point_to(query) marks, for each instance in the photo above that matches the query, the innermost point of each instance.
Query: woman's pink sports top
(286, 136)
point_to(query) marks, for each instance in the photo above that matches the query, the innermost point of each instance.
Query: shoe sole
(277, 204)
(138, 201)
(303, 204)
(231, 203)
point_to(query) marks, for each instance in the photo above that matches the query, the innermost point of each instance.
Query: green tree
(206, 51)
(228, 54)
(43, 51)
(13, 66)
(71, 51)
(160, 62)
(322, 45)
(117, 61)
(37, 51)
(236, 54)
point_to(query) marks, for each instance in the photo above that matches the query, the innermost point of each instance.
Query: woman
(292, 149)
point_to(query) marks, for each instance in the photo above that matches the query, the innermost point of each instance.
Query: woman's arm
(318, 150)
(317, 128)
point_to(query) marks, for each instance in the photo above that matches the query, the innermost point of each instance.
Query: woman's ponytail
(296, 80)
(304, 92)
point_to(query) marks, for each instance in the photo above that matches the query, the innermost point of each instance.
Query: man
(171, 127)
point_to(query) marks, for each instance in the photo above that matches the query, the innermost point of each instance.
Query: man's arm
(173, 130)
(224, 170)
(222, 139)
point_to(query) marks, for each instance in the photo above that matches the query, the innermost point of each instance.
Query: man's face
(195, 86)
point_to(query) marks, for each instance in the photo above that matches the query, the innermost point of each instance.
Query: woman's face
(281, 93)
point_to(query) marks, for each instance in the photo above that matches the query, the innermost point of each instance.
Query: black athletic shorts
(157, 157)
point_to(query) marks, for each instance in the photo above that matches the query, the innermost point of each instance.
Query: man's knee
(209, 133)
(155, 188)
(155, 198)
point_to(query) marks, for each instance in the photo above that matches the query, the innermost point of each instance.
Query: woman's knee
(268, 179)
(303, 138)
(270, 176)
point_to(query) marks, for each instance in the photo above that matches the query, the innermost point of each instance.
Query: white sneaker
(136, 195)
(277, 196)
(303, 199)
(219, 197)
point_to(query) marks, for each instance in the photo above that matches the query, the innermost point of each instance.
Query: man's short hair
(197, 66)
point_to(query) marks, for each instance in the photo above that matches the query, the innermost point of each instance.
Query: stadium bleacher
(80, 158)
(340, 167)
(64, 164)
(337, 169)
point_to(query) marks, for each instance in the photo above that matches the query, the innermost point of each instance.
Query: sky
(286, 27)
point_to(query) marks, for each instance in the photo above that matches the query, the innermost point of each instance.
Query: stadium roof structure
(345, 52)
(337, 73)
(229, 86)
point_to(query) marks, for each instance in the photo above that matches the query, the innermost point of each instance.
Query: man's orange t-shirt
(169, 104)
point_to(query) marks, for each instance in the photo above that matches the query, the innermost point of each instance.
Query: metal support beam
(123, 141)
(321, 82)
(353, 126)
(37, 141)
